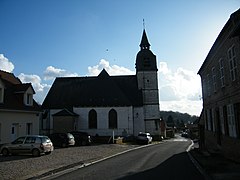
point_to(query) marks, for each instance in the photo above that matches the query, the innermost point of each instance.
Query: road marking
(184, 140)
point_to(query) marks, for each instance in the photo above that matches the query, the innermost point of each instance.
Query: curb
(196, 164)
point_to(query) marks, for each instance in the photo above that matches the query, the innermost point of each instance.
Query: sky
(44, 39)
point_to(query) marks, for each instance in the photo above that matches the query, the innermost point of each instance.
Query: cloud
(179, 84)
(169, 93)
(5, 64)
(40, 88)
(51, 72)
(163, 68)
(180, 90)
(112, 70)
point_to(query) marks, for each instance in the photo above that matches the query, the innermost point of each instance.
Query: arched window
(112, 119)
(92, 119)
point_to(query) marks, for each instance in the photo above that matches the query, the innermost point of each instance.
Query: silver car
(33, 144)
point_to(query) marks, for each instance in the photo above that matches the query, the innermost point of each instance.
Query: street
(167, 160)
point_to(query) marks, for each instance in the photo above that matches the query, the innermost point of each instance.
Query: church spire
(144, 42)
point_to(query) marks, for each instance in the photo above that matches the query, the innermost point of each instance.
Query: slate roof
(97, 91)
(144, 42)
(9, 77)
(14, 90)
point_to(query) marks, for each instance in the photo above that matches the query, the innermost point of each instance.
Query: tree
(170, 121)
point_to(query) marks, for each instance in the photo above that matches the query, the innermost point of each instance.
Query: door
(14, 132)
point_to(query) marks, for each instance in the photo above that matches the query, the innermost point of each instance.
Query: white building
(103, 103)
(19, 113)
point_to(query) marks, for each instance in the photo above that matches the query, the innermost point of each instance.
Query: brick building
(220, 77)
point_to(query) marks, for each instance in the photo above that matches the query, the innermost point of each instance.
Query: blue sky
(44, 39)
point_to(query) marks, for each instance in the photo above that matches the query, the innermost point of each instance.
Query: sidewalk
(216, 166)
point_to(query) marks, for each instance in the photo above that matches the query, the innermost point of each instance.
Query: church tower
(147, 77)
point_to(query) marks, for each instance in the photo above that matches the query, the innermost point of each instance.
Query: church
(103, 104)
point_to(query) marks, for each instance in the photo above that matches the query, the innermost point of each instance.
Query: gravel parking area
(26, 166)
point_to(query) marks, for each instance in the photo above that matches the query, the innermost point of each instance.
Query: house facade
(19, 113)
(103, 105)
(220, 77)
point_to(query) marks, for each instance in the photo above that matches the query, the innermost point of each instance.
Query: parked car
(185, 134)
(81, 138)
(33, 144)
(129, 138)
(144, 138)
(62, 139)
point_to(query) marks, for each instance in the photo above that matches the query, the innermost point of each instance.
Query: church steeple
(144, 42)
(146, 60)
(147, 80)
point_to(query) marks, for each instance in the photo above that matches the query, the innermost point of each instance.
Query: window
(213, 120)
(13, 130)
(30, 140)
(232, 63)
(214, 80)
(92, 119)
(221, 120)
(208, 85)
(29, 128)
(206, 119)
(19, 140)
(112, 119)
(221, 69)
(1, 94)
(38, 140)
(29, 99)
(147, 62)
(231, 121)
(204, 90)
(209, 120)
(225, 116)
(0, 132)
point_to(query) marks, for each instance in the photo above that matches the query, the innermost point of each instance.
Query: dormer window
(1, 94)
(29, 100)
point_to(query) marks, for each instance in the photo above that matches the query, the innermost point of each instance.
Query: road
(168, 160)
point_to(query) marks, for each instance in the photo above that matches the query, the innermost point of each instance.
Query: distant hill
(177, 118)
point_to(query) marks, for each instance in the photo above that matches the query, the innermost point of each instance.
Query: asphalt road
(168, 160)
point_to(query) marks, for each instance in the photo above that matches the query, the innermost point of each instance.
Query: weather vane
(143, 24)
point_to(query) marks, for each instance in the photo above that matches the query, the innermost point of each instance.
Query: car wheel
(5, 152)
(35, 152)
(47, 153)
